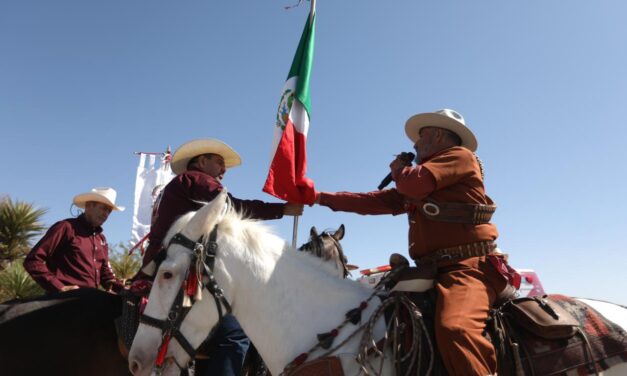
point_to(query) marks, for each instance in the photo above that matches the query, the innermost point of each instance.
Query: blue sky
(85, 83)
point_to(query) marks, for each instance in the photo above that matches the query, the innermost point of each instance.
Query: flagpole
(295, 231)
(312, 10)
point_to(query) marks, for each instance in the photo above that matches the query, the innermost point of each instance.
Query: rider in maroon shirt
(74, 252)
(199, 166)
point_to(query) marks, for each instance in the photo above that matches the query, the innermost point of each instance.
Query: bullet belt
(475, 214)
(459, 252)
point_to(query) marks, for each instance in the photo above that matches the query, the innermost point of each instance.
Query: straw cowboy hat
(103, 195)
(194, 148)
(447, 119)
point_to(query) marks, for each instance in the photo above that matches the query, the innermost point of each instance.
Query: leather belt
(456, 212)
(459, 252)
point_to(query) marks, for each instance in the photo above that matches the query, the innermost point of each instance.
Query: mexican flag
(286, 177)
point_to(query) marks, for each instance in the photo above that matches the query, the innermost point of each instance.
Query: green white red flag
(286, 177)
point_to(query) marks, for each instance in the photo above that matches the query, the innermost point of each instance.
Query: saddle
(327, 366)
(548, 335)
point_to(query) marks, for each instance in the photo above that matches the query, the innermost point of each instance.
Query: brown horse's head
(326, 245)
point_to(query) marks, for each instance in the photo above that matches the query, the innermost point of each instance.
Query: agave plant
(124, 265)
(15, 283)
(20, 222)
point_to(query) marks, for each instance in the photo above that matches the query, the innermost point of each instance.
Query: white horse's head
(166, 293)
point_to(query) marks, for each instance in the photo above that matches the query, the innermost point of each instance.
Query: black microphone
(407, 158)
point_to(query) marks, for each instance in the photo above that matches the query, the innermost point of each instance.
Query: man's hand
(397, 164)
(293, 209)
(68, 288)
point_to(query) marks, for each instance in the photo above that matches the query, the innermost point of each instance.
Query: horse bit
(202, 263)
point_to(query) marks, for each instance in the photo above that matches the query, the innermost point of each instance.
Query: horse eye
(167, 275)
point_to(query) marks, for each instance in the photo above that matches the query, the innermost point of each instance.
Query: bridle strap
(203, 254)
(170, 326)
(176, 334)
(186, 242)
(210, 253)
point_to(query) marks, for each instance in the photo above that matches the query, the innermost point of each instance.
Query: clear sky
(85, 83)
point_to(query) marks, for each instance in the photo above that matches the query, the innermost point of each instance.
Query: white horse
(281, 298)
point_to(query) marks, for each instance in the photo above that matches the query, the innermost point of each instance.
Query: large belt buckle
(431, 209)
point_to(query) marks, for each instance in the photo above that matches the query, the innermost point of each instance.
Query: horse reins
(202, 264)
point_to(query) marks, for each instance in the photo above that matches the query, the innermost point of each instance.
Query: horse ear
(313, 232)
(207, 217)
(339, 233)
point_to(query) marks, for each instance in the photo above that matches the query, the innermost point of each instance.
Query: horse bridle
(201, 266)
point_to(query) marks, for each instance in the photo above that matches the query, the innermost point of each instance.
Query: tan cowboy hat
(194, 148)
(447, 119)
(103, 195)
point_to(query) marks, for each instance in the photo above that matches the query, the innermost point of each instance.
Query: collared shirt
(188, 192)
(453, 175)
(72, 252)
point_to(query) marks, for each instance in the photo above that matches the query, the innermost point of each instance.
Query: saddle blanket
(570, 357)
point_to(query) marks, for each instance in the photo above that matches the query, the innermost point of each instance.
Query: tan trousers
(466, 290)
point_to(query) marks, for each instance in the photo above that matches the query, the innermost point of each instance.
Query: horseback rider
(74, 252)
(199, 166)
(449, 213)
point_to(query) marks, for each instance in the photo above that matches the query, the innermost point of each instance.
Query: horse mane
(254, 234)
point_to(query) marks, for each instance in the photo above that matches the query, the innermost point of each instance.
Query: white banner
(150, 181)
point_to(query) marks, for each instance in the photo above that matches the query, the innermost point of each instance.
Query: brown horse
(326, 245)
(70, 334)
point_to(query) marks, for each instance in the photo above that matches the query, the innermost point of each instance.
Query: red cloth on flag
(286, 176)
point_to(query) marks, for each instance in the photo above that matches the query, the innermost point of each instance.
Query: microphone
(405, 157)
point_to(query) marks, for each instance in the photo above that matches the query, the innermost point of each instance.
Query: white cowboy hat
(447, 119)
(104, 195)
(194, 148)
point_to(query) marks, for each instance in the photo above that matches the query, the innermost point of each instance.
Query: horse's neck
(283, 299)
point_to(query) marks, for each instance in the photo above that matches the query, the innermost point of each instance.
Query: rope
(140, 243)
(368, 344)
(418, 327)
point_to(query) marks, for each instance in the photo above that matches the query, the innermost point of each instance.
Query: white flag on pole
(151, 178)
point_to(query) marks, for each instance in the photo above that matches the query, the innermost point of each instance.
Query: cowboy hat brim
(80, 200)
(417, 122)
(194, 148)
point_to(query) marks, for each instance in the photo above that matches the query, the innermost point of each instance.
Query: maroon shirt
(71, 253)
(188, 192)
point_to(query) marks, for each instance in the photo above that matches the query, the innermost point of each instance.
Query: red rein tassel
(190, 285)
(163, 349)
